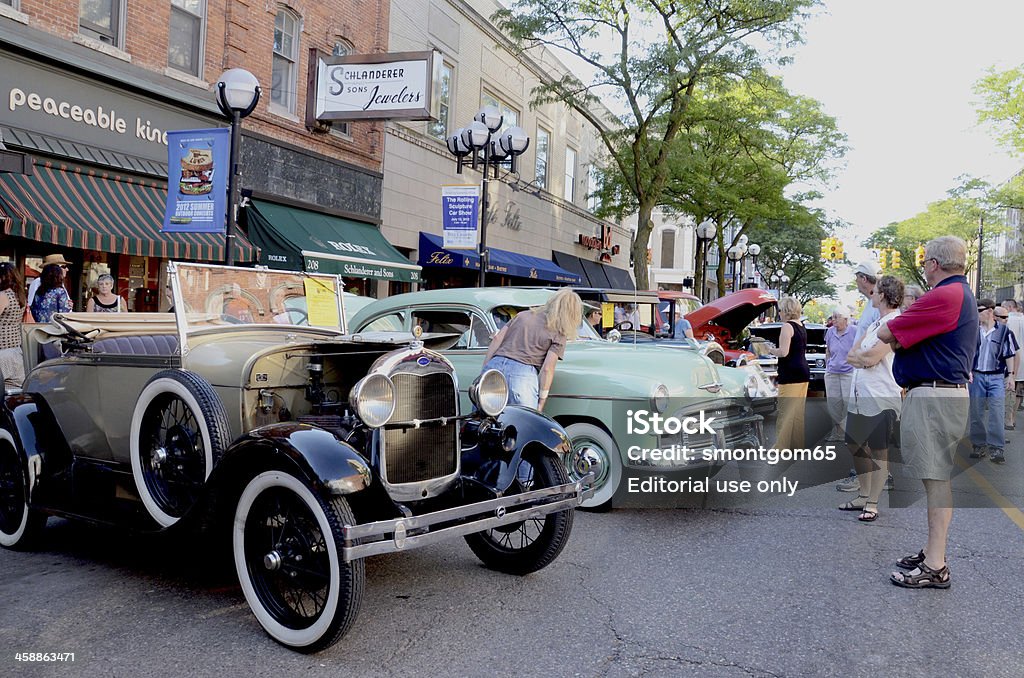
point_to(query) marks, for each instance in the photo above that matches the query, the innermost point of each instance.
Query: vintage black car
(249, 413)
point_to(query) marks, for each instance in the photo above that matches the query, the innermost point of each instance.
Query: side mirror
(614, 336)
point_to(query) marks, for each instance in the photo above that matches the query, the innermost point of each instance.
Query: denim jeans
(523, 386)
(988, 392)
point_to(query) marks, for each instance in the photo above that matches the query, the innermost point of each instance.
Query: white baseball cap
(871, 269)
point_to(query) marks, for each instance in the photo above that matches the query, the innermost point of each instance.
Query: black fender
(491, 462)
(332, 466)
(38, 439)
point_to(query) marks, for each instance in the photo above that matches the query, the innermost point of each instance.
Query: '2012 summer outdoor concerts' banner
(197, 180)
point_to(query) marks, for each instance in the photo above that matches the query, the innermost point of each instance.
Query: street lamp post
(479, 142)
(785, 282)
(706, 231)
(754, 250)
(238, 92)
(735, 255)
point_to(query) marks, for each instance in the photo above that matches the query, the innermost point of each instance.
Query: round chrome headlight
(659, 400)
(489, 393)
(373, 398)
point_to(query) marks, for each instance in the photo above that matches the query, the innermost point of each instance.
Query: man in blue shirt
(683, 329)
(997, 350)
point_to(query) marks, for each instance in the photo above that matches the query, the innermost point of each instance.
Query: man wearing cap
(935, 340)
(866, 274)
(1015, 393)
(997, 352)
(47, 260)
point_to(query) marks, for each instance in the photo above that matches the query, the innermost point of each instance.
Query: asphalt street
(789, 589)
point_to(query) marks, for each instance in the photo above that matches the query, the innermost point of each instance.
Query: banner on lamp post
(197, 180)
(460, 215)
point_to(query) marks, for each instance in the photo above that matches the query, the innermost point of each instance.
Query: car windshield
(206, 296)
(502, 315)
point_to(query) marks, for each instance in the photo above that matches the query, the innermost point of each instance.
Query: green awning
(295, 239)
(99, 210)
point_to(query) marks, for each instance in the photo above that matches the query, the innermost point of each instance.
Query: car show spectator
(838, 372)
(527, 348)
(47, 260)
(875, 401)
(935, 342)
(51, 297)
(866, 275)
(911, 293)
(682, 328)
(995, 360)
(794, 375)
(1015, 392)
(12, 311)
(105, 300)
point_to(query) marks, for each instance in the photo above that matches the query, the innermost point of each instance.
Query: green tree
(653, 56)
(1002, 106)
(791, 246)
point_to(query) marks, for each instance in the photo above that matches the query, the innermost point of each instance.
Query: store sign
(593, 242)
(73, 108)
(197, 181)
(460, 214)
(372, 86)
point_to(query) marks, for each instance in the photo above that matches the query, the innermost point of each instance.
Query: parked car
(724, 321)
(594, 386)
(815, 349)
(249, 414)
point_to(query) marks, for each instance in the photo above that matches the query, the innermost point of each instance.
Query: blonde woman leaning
(794, 374)
(528, 347)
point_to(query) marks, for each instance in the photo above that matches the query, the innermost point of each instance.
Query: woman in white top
(875, 400)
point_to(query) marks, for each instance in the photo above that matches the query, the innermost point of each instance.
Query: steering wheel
(72, 332)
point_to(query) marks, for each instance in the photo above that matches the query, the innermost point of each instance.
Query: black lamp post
(754, 250)
(705, 232)
(479, 142)
(238, 92)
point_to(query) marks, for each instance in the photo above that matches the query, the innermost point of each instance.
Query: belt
(990, 371)
(938, 383)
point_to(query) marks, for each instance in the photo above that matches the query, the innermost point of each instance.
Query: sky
(898, 75)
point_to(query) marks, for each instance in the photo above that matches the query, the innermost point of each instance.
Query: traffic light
(833, 249)
(894, 259)
(839, 250)
(919, 255)
(881, 257)
(824, 248)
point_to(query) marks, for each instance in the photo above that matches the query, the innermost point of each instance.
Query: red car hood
(733, 312)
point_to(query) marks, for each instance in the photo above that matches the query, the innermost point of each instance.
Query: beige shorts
(933, 422)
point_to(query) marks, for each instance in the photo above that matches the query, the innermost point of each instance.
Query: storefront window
(286, 52)
(184, 45)
(101, 19)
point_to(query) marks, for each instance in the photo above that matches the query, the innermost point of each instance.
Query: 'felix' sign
(372, 86)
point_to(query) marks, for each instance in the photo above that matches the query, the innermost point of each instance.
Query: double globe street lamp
(706, 231)
(238, 92)
(480, 142)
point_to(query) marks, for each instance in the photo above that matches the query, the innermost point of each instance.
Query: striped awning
(97, 210)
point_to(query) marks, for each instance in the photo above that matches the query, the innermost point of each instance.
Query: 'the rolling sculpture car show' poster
(197, 179)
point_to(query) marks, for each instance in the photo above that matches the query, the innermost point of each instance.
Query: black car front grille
(431, 451)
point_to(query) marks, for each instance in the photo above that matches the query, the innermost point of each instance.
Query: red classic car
(723, 321)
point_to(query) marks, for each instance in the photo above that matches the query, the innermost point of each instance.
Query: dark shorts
(870, 431)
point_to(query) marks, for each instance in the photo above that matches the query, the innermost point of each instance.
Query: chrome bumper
(388, 536)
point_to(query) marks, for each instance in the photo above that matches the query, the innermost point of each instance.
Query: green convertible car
(598, 389)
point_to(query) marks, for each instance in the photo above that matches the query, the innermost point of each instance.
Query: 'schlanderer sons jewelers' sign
(373, 86)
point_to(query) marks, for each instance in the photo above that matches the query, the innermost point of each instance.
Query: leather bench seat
(148, 344)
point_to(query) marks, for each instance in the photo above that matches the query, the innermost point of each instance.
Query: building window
(569, 190)
(184, 45)
(439, 128)
(101, 19)
(668, 248)
(543, 148)
(11, 3)
(593, 186)
(286, 57)
(510, 116)
(342, 47)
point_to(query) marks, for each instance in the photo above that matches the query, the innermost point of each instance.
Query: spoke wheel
(287, 555)
(179, 431)
(594, 451)
(19, 524)
(527, 546)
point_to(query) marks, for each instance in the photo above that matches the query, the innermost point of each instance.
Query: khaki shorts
(932, 424)
(1019, 388)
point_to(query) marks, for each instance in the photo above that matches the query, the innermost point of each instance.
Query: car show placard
(460, 214)
(197, 179)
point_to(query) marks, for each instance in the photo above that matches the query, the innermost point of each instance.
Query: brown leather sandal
(869, 515)
(852, 505)
(926, 578)
(910, 562)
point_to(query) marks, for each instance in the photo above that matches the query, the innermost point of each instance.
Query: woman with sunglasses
(51, 297)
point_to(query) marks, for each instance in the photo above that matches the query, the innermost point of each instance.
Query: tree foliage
(1002, 106)
(654, 57)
